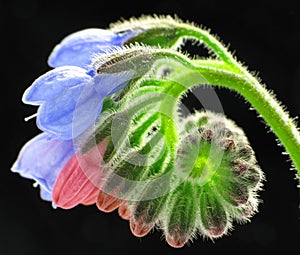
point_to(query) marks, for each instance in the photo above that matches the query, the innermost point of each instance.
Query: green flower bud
(180, 222)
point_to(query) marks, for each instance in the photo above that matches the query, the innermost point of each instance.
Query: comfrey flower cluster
(71, 86)
(113, 133)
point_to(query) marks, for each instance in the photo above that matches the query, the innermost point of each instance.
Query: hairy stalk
(265, 104)
(233, 75)
(190, 31)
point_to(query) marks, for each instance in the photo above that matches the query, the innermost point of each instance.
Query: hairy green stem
(265, 104)
(190, 31)
(239, 79)
(168, 110)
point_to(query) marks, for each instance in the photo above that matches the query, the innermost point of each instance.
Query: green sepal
(150, 209)
(214, 219)
(166, 37)
(121, 176)
(181, 219)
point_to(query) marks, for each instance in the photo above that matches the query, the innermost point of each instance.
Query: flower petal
(78, 48)
(79, 180)
(72, 186)
(45, 195)
(91, 198)
(124, 211)
(71, 113)
(108, 84)
(54, 83)
(41, 159)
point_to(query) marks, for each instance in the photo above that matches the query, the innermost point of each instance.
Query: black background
(264, 35)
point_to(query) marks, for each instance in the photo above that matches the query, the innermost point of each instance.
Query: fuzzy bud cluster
(219, 179)
(213, 181)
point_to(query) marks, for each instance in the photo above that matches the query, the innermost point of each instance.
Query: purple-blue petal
(79, 47)
(55, 83)
(76, 48)
(57, 115)
(42, 159)
(45, 195)
(108, 84)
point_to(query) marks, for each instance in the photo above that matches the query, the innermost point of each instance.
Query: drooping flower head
(71, 90)
(112, 135)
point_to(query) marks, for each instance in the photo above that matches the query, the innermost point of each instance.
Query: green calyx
(156, 36)
(155, 31)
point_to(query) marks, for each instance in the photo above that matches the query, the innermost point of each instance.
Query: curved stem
(190, 31)
(265, 104)
(234, 76)
(168, 111)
